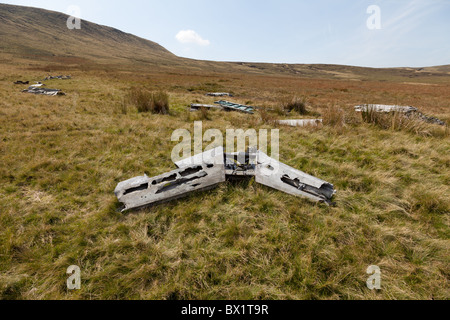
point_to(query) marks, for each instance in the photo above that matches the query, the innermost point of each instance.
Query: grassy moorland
(61, 158)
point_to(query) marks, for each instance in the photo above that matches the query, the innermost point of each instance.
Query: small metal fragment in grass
(219, 94)
(301, 122)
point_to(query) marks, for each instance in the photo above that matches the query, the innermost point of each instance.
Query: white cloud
(190, 36)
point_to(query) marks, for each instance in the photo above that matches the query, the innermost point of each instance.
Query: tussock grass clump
(334, 116)
(146, 101)
(140, 98)
(379, 119)
(279, 110)
(339, 117)
(297, 104)
(267, 117)
(160, 102)
(204, 114)
(394, 120)
(429, 201)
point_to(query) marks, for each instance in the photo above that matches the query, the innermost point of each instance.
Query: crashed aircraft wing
(144, 191)
(276, 175)
(206, 170)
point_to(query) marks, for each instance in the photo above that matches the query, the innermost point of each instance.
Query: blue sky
(413, 33)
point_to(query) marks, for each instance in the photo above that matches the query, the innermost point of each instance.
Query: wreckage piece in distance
(384, 108)
(58, 77)
(301, 122)
(207, 170)
(22, 82)
(407, 111)
(44, 91)
(230, 106)
(219, 94)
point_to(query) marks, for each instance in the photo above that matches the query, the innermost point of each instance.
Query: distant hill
(35, 36)
(43, 35)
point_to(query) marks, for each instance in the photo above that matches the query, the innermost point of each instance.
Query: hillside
(41, 40)
(38, 34)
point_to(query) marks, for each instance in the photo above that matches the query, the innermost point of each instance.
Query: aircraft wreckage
(38, 89)
(207, 170)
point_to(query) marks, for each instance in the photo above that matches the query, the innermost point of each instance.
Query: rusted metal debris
(207, 170)
(301, 122)
(219, 94)
(44, 91)
(407, 111)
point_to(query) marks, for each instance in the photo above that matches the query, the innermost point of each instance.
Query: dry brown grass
(146, 101)
(334, 116)
(398, 121)
(204, 114)
(297, 104)
(267, 117)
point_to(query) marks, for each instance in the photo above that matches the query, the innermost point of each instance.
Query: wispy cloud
(384, 47)
(190, 36)
(410, 17)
